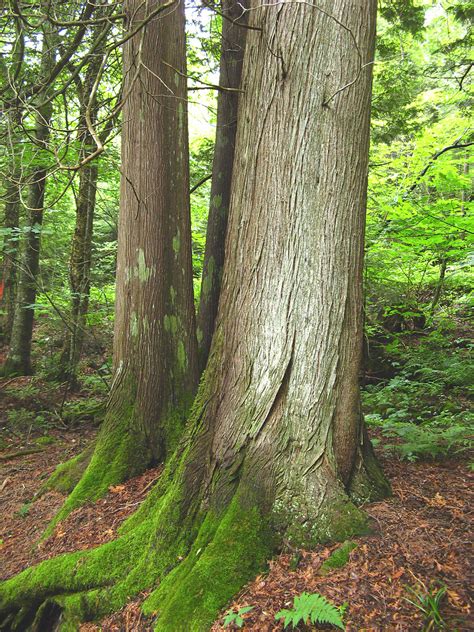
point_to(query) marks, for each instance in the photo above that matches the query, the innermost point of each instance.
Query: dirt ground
(422, 533)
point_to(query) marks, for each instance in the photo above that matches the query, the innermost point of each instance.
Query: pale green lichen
(216, 201)
(133, 325)
(171, 324)
(181, 356)
(177, 242)
(142, 271)
(208, 278)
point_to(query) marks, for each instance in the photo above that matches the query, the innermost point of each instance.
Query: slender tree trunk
(276, 451)
(10, 255)
(81, 246)
(439, 286)
(232, 54)
(79, 270)
(19, 356)
(155, 347)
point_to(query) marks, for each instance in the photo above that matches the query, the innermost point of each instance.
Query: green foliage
(312, 608)
(428, 601)
(85, 409)
(235, 618)
(424, 411)
(429, 441)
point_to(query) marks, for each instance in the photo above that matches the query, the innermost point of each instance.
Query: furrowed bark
(276, 450)
(155, 347)
(232, 54)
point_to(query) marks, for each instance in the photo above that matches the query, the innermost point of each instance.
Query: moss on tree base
(67, 475)
(193, 558)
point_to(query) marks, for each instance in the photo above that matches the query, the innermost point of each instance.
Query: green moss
(228, 551)
(121, 452)
(338, 558)
(45, 440)
(66, 475)
(368, 482)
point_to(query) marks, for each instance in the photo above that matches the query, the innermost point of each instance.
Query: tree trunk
(81, 246)
(155, 347)
(18, 361)
(232, 54)
(79, 269)
(10, 255)
(276, 451)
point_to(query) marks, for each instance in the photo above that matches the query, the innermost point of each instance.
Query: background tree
(155, 348)
(19, 356)
(81, 245)
(231, 59)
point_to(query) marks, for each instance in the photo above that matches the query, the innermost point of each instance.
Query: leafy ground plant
(313, 608)
(236, 618)
(428, 601)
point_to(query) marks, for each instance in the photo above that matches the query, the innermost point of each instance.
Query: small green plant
(45, 440)
(24, 510)
(80, 410)
(236, 618)
(428, 602)
(23, 392)
(338, 558)
(313, 608)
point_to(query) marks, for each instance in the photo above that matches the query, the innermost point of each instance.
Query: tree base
(194, 556)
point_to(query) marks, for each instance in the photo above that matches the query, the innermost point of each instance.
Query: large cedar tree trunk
(232, 55)
(276, 451)
(155, 347)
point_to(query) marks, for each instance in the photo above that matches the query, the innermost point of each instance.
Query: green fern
(313, 608)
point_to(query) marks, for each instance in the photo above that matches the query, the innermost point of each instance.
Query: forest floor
(421, 534)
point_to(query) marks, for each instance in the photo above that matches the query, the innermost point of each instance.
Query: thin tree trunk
(81, 245)
(439, 286)
(155, 347)
(276, 450)
(19, 356)
(79, 271)
(232, 54)
(10, 255)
